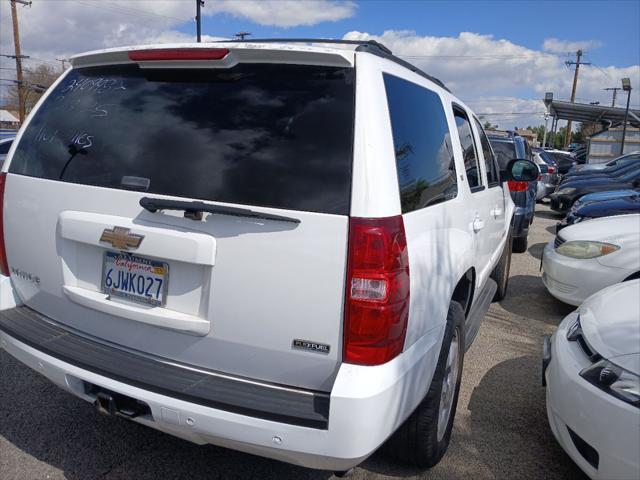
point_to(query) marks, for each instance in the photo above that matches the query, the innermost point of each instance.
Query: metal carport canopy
(581, 112)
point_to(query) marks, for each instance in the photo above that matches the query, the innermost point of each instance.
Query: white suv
(281, 248)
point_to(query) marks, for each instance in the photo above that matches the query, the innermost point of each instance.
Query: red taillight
(518, 186)
(377, 297)
(4, 264)
(168, 54)
(552, 169)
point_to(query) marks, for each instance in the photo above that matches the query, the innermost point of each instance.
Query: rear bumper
(364, 408)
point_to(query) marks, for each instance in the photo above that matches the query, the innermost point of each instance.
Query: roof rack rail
(369, 46)
(371, 43)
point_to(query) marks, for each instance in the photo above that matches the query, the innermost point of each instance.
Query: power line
(510, 113)
(128, 11)
(483, 57)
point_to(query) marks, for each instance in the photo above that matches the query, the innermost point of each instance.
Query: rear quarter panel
(439, 237)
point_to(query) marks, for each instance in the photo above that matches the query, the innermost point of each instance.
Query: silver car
(548, 177)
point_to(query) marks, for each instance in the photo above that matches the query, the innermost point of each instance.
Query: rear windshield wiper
(195, 209)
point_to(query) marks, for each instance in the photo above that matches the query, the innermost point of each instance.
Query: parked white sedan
(589, 256)
(591, 365)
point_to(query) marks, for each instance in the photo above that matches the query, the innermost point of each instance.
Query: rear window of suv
(269, 135)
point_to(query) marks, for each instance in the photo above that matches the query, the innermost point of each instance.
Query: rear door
(269, 145)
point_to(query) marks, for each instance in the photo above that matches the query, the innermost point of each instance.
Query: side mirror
(520, 170)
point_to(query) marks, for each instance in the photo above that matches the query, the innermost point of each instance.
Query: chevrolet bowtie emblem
(120, 238)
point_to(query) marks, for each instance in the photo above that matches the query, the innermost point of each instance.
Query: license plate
(137, 279)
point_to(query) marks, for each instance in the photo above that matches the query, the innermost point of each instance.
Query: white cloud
(499, 76)
(286, 13)
(555, 45)
(63, 27)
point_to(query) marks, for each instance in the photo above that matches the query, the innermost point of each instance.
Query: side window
(422, 144)
(468, 150)
(493, 176)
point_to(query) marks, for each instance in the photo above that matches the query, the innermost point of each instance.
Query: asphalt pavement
(500, 431)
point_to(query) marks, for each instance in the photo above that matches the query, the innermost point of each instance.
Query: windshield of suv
(269, 135)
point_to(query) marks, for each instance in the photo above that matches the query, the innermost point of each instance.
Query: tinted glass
(4, 147)
(267, 135)
(493, 176)
(468, 149)
(424, 158)
(505, 151)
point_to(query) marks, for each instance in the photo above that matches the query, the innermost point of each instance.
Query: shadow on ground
(536, 249)
(528, 295)
(498, 424)
(550, 214)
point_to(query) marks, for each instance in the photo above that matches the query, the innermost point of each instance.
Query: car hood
(618, 206)
(607, 195)
(619, 229)
(609, 321)
(593, 181)
(584, 175)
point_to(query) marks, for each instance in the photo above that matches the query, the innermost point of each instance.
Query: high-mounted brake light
(518, 186)
(377, 296)
(4, 264)
(168, 54)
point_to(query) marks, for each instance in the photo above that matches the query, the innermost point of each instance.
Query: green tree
(488, 126)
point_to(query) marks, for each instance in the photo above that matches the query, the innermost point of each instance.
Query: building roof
(7, 116)
(581, 112)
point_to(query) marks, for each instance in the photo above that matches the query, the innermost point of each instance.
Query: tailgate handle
(194, 209)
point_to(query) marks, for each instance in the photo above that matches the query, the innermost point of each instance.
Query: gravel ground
(500, 431)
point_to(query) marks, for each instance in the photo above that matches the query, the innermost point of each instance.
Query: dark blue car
(605, 208)
(507, 146)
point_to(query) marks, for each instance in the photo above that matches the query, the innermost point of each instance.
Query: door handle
(496, 212)
(478, 224)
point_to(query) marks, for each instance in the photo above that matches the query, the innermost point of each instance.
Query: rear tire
(520, 244)
(501, 271)
(423, 438)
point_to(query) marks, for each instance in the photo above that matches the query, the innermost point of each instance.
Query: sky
(500, 57)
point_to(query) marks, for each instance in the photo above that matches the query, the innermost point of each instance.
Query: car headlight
(584, 249)
(566, 191)
(614, 380)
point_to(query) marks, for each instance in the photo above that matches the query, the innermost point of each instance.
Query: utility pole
(199, 3)
(626, 86)
(615, 91)
(577, 63)
(18, 55)
(63, 62)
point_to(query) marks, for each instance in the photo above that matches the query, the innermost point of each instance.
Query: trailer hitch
(116, 404)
